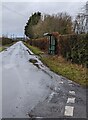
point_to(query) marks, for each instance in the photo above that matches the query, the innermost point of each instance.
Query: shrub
(6, 41)
(73, 47)
(41, 43)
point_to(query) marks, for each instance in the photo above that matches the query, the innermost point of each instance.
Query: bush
(74, 48)
(41, 43)
(6, 41)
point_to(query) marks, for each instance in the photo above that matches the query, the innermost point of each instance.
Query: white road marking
(71, 100)
(51, 96)
(69, 81)
(39, 117)
(70, 84)
(69, 111)
(61, 82)
(72, 92)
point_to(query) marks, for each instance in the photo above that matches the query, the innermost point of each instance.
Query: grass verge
(2, 48)
(35, 50)
(59, 65)
(74, 72)
(6, 46)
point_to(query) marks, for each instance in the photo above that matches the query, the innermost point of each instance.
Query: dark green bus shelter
(52, 44)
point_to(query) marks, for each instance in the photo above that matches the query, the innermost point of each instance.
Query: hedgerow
(41, 43)
(72, 47)
(6, 41)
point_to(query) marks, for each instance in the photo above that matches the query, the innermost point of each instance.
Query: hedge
(72, 47)
(41, 43)
(6, 41)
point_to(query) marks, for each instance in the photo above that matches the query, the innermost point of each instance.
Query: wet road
(34, 91)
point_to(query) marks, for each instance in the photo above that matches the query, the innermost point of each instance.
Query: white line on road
(39, 117)
(71, 100)
(51, 96)
(69, 81)
(68, 111)
(61, 82)
(72, 92)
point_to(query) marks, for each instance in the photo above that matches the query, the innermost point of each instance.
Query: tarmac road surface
(32, 90)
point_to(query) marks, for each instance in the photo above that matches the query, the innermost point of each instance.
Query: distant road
(31, 91)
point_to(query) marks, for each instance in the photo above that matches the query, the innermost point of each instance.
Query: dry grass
(65, 68)
(59, 65)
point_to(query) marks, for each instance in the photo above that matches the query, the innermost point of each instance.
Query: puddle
(35, 62)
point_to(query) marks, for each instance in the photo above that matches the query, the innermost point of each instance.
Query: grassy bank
(1, 48)
(6, 46)
(62, 67)
(71, 71)
(35, 50)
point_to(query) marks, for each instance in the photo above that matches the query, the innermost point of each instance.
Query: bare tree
(81, 22)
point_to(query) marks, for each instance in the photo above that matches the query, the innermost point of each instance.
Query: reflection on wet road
(29, 89)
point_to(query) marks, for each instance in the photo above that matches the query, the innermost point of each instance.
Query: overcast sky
(15, 14)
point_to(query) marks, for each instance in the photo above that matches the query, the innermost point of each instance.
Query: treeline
(37, 24)
(5, 41)
(72, 47)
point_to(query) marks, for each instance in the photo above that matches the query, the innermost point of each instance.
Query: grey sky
(15, 14)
